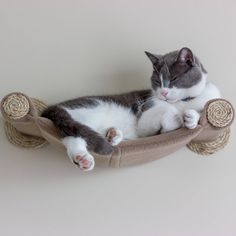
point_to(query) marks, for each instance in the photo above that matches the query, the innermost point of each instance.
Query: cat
(180, 91)
(96, 123)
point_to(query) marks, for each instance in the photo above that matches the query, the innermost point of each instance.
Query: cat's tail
(69, 127)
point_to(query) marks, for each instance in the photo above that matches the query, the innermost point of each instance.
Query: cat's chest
(106, 115)
(198, 103)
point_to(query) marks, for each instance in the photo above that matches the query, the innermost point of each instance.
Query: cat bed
(25, 127)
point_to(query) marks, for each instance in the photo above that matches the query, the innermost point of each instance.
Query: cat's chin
(169, 100)
(172, 100)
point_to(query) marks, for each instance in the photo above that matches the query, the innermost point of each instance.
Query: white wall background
(61, 49)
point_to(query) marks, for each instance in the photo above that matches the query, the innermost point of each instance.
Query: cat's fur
(179, 92)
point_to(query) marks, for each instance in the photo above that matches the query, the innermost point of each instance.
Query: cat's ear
(186, 56)
(154, 58)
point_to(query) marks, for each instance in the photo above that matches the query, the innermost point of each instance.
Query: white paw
(85, 162)
(78, 153)
(171, 121)
(114, 136)
(191, 118)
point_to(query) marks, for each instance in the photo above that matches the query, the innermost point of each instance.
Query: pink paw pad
(111, 133)
(82, 162)
(78, 158)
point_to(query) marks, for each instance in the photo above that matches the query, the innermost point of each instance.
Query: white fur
(150, 121)
(210, 92)
(107, 115)
(75, 147)
(171, 120)
(191, 118)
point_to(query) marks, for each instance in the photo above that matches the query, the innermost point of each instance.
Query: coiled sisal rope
(16, 106)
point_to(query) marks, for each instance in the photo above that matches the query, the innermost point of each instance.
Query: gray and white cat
(96, 123)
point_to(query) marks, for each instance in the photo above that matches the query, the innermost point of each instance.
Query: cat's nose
(164, 93)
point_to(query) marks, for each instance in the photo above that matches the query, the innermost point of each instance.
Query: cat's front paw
(114, 136)
(191, 118)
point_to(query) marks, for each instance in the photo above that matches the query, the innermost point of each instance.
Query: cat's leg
(114, 136)
(191, 118)
(68, 127)
(171, 120)
(78, 153)
(150, 122)
(147, 127)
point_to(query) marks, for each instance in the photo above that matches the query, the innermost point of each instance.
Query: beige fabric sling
(25, 128)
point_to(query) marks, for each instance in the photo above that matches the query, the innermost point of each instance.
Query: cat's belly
(106, 115)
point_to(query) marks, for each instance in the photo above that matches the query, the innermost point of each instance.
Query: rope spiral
(16, 106)
(207, 148)
(220, 113)
(23, 140)
(40, 105)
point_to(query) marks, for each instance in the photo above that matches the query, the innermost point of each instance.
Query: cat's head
(177, 75)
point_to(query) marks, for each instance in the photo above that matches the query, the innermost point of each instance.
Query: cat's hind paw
(78, 153)
(114, 136)
(85, 162)
(191, 118)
